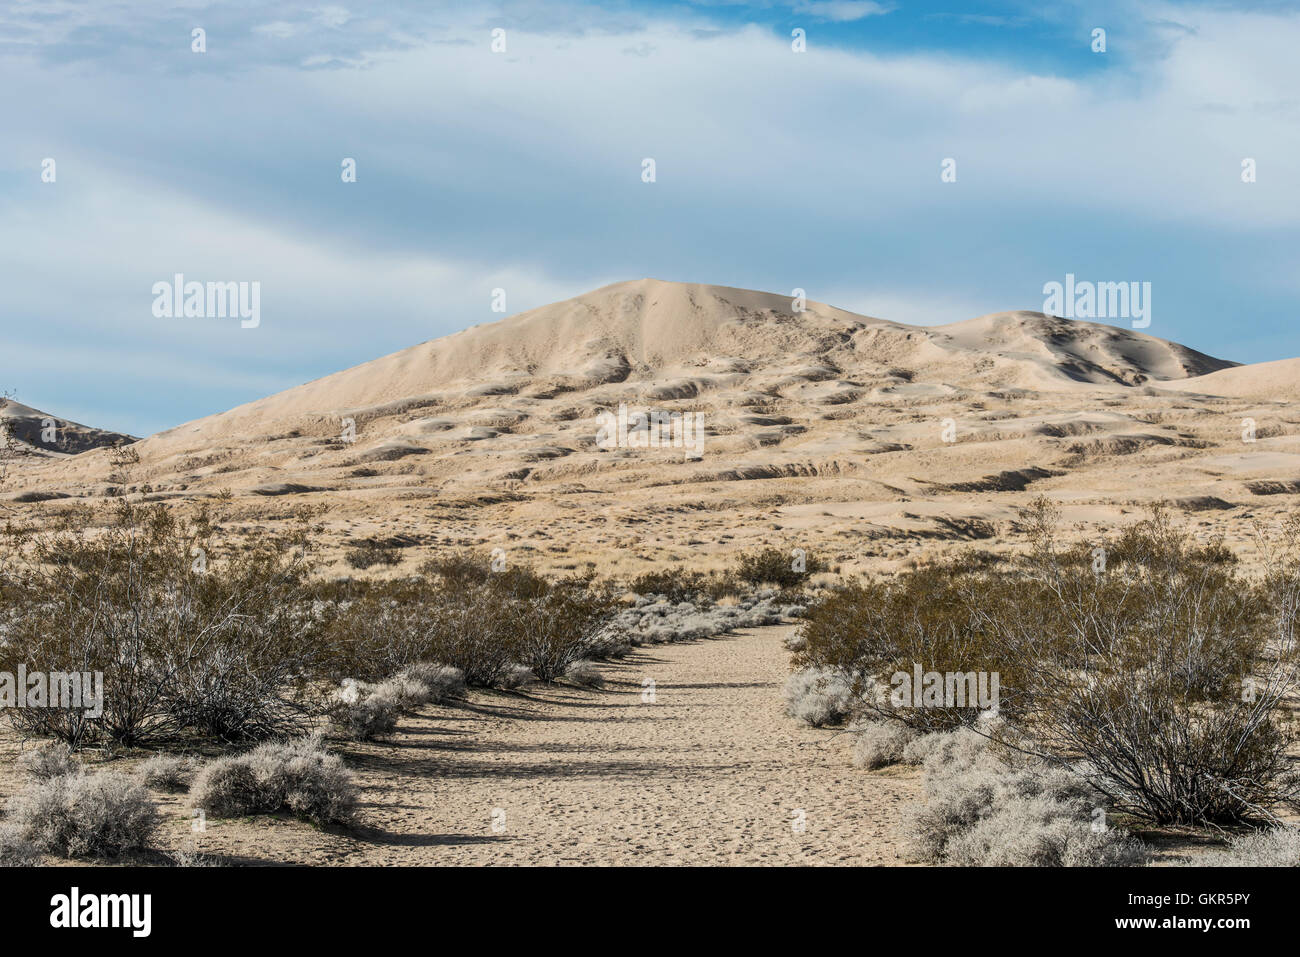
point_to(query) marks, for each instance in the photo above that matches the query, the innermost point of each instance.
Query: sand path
(711, 772)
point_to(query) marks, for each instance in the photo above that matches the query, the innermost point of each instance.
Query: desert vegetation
(1147, 677)
(251, 654)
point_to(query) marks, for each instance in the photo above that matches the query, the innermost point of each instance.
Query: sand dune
(1277, 381)
(679, 340)
(492, 437)
(42, 434)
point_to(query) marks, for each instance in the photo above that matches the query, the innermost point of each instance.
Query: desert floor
(712, 772)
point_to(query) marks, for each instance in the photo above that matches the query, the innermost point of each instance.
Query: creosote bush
(1151, 664)
(369, 554)
(674, 584)
(189, 637)
(776, 566)
(470, 618)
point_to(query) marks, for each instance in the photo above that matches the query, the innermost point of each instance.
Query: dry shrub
(819, 696)
(297, 776)
(15, 849)
(585, 673)
(189, 857)
(442, 683)
(404, 690)
(982, 810)
(168, 772)
(51, 759)
(364, 712)
(881, 743)
(516, 675)
(84, 815)
(1274, 847)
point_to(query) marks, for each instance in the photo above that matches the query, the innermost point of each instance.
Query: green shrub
(773, 566)
(675, 584)
(188, 637)
(369, 554)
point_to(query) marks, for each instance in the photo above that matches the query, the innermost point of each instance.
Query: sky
(521, 169)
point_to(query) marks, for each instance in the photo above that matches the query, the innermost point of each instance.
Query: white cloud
(842, 11)
(333, 16)
(278, 29)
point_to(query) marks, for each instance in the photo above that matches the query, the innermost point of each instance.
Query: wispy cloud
(842, 11)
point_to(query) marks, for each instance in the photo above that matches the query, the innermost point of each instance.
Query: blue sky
(522, 170)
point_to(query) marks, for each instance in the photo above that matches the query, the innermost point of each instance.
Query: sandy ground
(711, 772)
